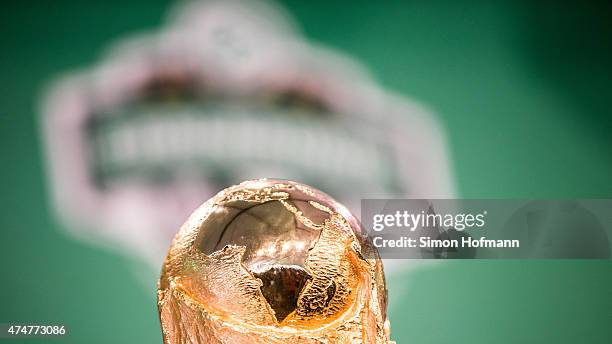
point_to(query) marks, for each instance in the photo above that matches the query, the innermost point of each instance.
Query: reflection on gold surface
(272, 262)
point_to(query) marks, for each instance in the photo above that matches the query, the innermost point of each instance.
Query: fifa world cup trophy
(271, 261)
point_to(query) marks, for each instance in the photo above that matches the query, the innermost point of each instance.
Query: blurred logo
(226, 91)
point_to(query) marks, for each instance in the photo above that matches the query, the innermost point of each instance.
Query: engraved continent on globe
(271, 261)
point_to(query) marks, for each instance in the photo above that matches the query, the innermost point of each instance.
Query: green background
(522, 88)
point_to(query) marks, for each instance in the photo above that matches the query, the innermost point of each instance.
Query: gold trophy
(271, 261)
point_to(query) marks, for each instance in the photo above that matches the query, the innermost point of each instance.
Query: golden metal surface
(271, 261)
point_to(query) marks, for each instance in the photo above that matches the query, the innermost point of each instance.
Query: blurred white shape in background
(226, 91)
